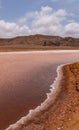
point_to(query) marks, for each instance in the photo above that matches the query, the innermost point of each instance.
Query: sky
(47, 17)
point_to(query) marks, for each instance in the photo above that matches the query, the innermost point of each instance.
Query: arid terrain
(38, 42)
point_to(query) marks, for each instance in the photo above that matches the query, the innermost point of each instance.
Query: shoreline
(38, 51)
(14, 49)
(54, 92)
(43, 55)
(32, 120)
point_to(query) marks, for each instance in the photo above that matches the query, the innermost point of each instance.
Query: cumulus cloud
(47, 17)
(8, 29)
(45, 21)
(72, 29)
(22, 20)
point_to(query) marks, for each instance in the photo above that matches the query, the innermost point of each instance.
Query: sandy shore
(63, 113)
(20, 79)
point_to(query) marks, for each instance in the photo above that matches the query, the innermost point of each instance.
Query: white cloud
(46, 21)
(72, 29)
(8, 29)
(22, 20)
(61, 13)
(46, 9)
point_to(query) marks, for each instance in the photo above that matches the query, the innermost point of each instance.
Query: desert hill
(39, 41)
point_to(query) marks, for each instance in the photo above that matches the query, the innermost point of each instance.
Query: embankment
(62, 113)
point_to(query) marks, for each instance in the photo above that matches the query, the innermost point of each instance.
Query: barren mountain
(39, 42)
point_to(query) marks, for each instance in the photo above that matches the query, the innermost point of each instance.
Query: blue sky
(50, 17)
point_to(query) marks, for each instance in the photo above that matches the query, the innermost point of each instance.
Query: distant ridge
(39, 41)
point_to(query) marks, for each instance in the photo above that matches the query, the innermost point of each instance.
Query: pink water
(24, 81)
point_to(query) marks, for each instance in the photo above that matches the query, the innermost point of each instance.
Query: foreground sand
(64, 113)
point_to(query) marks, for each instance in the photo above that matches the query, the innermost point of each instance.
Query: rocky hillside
(40, 40)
